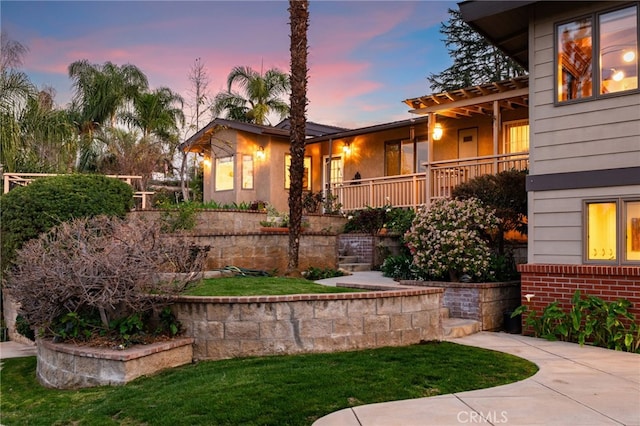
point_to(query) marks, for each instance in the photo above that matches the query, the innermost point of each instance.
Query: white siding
(590, 135)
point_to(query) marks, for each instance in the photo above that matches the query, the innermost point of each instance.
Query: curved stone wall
(227, 327)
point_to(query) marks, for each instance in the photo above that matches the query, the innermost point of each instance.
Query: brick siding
(551, 283)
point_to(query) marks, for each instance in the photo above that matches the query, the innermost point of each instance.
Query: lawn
(260, 286)
(278, 390)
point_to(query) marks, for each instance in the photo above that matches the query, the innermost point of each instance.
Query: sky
(365, 57)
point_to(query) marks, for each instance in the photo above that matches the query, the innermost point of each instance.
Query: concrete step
(347, 259)
(354, 267)
(459, 327)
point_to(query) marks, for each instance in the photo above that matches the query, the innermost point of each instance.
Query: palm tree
(157, 113)
(101, 92)
(15, 91)
(262, 95)
(299, 17)
(47, 136)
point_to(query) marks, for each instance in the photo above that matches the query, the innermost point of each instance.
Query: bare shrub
(102, 264)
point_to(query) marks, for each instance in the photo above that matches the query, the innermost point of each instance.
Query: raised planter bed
(483, 302)
(69, 366)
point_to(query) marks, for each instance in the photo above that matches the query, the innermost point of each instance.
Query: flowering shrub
(450, 237)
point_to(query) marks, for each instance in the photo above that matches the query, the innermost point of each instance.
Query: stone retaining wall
(483, 302)
(227, 327)
(68, 366)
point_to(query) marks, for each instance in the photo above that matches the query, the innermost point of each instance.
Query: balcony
(410, 190)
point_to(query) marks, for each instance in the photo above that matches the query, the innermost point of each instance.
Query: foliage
(475, 60)
(275, 219)
(101, 267)
(450, 237)
(23, 328)
(177, 217)
(589, 320)
(262, 95)
(314, 274)
(31, 210)
(275, 390)
(196, 185)
(369, 220)
(401, 267)
(504, 192)
(399, 220)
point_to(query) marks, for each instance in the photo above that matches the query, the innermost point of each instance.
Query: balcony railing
(12, 180)
(411, 190)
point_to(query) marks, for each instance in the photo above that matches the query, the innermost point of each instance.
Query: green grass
(278, 390)
(260, 286)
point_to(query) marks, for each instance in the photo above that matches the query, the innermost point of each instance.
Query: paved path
(16, 350)
(574, 386)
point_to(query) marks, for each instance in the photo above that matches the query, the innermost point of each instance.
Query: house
(584, 165)
(481, 130)
(246, 162)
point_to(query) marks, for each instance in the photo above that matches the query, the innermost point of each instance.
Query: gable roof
(200, 139)
(512, 94)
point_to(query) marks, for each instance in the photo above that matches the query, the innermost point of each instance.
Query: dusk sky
(365, 57)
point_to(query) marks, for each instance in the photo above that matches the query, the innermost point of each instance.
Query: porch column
(427, 178)
(497, 119)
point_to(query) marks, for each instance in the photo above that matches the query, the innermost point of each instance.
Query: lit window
(601, 237)
(616, 59)
(613, 231)
(516, 136)
(247, 172)
(405, 157)
(306, 182)
(619, 50)
(632, 230)
(224, 174)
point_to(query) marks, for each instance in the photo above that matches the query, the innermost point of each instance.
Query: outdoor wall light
(437, 131)
(260, 155)
(346, 148)
(207, 162)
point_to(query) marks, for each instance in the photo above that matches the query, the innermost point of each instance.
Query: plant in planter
(279, 221)
(96, 280)
(450, 238)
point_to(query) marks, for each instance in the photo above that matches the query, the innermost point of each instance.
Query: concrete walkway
(574, 386)
(16, 350)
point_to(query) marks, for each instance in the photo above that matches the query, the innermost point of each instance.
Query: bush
(450, 238)
(46, 202)
(506, 194)
(314, 274)
(589, 320)
(369, 221)
(90, 275)
(401, 267)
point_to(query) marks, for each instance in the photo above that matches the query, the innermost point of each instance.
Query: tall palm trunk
(299, 16)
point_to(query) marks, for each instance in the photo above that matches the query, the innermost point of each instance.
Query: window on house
(306, 181)
(224, 174)
(405, 157)
(613, 53)
(247, 172)
(606, 238)
(516, 136)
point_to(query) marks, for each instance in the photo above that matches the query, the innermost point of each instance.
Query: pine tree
(475, 60)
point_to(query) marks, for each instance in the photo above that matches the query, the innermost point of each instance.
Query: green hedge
(33, 209)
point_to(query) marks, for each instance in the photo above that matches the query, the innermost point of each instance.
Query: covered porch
(471, 132)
